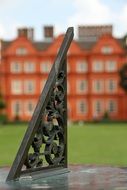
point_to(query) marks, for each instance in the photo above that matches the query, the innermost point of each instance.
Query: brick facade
(93, 76)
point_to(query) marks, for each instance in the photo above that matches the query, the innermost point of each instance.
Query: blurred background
(30, 36)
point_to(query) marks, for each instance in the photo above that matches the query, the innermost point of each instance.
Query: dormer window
(107, 49)
(21, 51)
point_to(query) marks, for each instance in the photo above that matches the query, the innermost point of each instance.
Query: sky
(61, 14)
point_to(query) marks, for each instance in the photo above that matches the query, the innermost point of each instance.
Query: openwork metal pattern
(44, 146)
(51, 130)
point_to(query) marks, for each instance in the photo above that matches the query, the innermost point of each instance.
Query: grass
(88, 144)
(98, 144)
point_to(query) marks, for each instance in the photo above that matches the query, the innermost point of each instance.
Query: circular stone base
(80, 177)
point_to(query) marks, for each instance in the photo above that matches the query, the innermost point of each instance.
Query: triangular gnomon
(44, 145)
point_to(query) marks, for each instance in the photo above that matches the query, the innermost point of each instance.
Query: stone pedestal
(80, 177)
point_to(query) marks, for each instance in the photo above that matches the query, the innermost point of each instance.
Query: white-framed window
(82, 66)
(29, 87)
(68, 52)
(82, 86)
(45, 66)
(111, 66)
(107, 49)
(16, 107)
(98, 107)
(111, 85)
(98, 86)
(29, 67)
(29, 107)
(68, 110)
(16, 67)
(68, 67)
(21, 51)
(82, 107)
(68, 87)
(112, 106)
(16, 87)
(42, 84)
(98, 66)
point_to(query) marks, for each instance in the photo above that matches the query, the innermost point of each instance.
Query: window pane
(98, 108)
(111, 85)
(82, 86)
(30, 107)
(29, 87)
(21, 51)
(29, 67)
(16, 67)
(42, 84)
(68, 67)
(107, 49)
(82, 107)
(68, 87)
(16, 87)
(111, 66)
(98, 66)
(82, 66)
(46, 67)
(112, 106)
(16, 108)
(98, 86)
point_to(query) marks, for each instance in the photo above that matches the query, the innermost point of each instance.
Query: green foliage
(2, 103)
(123, 77)
(106, 117)
(3, 118)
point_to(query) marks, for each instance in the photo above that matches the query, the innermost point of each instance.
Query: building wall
(89, 96)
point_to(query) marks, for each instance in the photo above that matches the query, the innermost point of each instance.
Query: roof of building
(86, 44)
(122, 42)
(5, 44)
(43, 45)
(40, 46)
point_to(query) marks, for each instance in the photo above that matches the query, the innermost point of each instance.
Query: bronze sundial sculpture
(44, 146)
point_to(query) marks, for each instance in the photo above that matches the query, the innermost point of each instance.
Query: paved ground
(80, 177)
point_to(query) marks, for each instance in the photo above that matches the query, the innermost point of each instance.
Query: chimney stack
(48, 32)
(26, 32)
(93, 32)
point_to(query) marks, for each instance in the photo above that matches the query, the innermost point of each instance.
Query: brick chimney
(48, 32)
(92, 33)
(26, 32)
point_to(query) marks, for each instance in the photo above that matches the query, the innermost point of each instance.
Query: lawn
(88, 144)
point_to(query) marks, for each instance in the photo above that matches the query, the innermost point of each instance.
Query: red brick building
(94, 61)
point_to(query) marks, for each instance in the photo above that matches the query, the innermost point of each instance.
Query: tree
(3, 116)
(123, 77)
(2, 104)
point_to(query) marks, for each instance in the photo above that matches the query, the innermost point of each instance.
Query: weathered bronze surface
(81, 177)
(44, 146)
